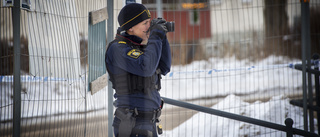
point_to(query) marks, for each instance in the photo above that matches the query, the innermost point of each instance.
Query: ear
(130, 31)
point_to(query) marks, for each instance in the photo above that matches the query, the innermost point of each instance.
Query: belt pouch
(127, 123)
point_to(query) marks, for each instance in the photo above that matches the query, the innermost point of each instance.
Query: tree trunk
(276, 25)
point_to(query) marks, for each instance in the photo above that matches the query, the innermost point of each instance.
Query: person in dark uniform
(135, 70)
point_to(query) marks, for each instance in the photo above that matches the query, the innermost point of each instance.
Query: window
(194, 17)
(246, 2)
(7, 3)
(215, 2)
(26, 4)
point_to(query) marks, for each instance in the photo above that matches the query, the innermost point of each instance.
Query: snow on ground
(221, 77)
(206, 125)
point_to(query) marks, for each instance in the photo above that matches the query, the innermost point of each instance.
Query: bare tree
(276, 25)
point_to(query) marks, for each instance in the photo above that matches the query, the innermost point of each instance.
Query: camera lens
(170, 26)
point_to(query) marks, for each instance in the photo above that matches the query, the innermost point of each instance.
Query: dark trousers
(140, 124)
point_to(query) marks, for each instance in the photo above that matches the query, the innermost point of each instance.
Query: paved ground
(97, 126)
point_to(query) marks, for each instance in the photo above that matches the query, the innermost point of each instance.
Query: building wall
(234, 20)
(184, 29)
(233, 15)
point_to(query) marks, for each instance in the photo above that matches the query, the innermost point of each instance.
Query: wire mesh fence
(55, 100)
(230, 55)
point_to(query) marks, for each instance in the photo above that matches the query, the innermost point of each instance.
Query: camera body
(169, 25)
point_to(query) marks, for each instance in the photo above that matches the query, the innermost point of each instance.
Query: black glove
(157, 27)
(158, 23)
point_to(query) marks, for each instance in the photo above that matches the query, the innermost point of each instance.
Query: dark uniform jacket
(126, 55)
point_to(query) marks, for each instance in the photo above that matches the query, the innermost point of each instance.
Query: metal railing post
(305, 34)
(317, 87)
(16, 69)
(110, 90)
(289, 123)
(159, 8)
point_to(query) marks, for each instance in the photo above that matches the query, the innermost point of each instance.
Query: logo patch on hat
(134, 53)
(122, 42)
(149, 14)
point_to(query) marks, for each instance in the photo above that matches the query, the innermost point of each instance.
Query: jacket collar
(135, 40)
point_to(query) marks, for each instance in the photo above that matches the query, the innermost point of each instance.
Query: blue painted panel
(96, 50)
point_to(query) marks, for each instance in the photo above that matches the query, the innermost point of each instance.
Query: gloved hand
(158, 23)
(157, 27)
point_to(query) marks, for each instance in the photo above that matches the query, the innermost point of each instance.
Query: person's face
(140, 29)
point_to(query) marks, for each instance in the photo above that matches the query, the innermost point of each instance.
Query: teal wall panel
(96, 50)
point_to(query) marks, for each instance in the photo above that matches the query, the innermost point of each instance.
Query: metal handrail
(288, 128)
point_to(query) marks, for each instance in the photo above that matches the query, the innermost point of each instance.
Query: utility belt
(153, 116)
(128, 121)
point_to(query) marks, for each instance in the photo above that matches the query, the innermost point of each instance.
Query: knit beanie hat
(132, 14)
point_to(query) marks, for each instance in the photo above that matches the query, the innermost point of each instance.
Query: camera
(169, 25)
